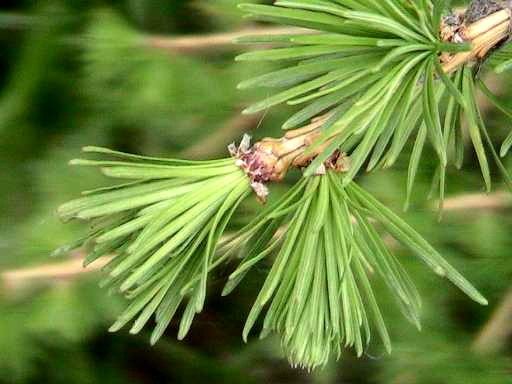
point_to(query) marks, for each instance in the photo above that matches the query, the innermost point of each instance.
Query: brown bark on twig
(483, 35)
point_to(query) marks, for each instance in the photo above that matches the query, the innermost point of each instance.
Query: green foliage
(161, 230)
(53, 332)
(40, 51)
(501, 60)
(447, 363)
(318, 291)
(119, 64)
(507, 143)
(61, 317)
(373, 69)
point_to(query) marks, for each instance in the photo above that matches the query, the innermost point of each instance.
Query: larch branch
(73, 268)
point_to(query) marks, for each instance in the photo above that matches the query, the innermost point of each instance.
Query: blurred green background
(98, 72)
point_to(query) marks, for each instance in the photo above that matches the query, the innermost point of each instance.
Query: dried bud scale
(269, 160)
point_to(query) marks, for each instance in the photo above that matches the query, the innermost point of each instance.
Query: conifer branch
(72, 269)
(369, 78)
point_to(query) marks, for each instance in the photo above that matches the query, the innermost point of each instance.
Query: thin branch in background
(478, 202)
(213, 42)
(497, 331)
(73, 268)
(16, 21)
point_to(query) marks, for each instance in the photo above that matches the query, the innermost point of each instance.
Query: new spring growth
(374, 77)
(161, 229)
(371, 77)
(328, 248)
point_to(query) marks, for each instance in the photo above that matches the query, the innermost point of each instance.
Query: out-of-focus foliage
(82, 73)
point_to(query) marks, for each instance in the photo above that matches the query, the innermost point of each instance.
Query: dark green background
(79, 73)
